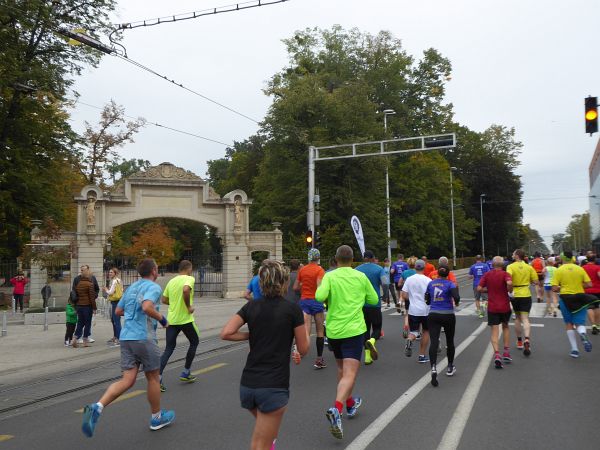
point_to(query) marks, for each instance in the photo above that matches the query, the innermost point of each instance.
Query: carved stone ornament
(166, 171)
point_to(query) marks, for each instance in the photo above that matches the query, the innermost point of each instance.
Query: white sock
(581, 329)
(157, 415)
(100, 407)
(572, 340)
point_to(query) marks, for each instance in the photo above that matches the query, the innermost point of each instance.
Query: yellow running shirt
(570, 278)
(522, 276)
(178, 312)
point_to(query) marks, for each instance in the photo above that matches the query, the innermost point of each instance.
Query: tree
(578, 233)
(101, 143)
(124, 168)
(36, 72)
(152, 241)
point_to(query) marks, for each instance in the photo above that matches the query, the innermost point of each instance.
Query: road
(546, 401)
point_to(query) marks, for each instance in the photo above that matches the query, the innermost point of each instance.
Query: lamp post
(452, 169)
(481, 200)
(387, 112)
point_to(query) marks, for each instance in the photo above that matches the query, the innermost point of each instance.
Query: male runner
(538, 265)
(570, 281)
(498, 284)
(406, 274)
(372, 313)
(179, 295)
(593, 271)
(551, 296)
(443, 261)
(139, 346)
(414, 290)
(346, 291)
(307, 281)
(523, 276)
(429, 268)
(396, 270)
(476, 273)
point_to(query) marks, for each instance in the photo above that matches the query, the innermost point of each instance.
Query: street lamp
(452, 169)
(481, 200)
(387, 112)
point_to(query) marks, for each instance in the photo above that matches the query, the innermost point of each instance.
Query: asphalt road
(546, 401)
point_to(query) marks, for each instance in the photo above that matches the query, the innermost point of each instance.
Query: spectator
(86, 304)
(46, 293)
(19, 283)
(114, 293)
(86, 268)
(71, 322)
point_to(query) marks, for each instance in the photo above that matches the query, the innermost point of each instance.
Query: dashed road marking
(208, 369)
(5, 437)
(127, 396)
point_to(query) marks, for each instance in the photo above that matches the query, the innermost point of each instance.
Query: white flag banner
(358, 232)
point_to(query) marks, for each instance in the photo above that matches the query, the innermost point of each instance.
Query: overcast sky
(523, 64)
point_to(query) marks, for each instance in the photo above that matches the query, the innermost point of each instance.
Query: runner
(429, 268)
(538, 265)
(593, 271)
(386, 283)
(405, 276)
(414, 290)
(140, 306)
(443, 261)
(372, 313)
(346, 291)
(253, 289)
(273, 324)
(179, 295)
(307, 281)
(476, 272)
(498, 284)
(570, 280)
(396, 270)
(442, 296)
(523, 276)
(551, 296)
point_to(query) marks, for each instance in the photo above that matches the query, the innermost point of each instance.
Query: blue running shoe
(574, 354)
(187, 376)
(335, 423)
(423, 359)
(91, 414)
(587, 345)
(166, 418)
(351, 411)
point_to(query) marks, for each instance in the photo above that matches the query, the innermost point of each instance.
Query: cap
(443, 271)
(419, 264)
(314, 254)
(368, 254)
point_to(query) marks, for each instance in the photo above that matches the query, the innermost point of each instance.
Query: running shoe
(423, 359)
(587, 345)
(320, 363)
(527, 348)
(91, 414)
(519, 345)
(273, 444)
(554, 313)
(405, 332)
(371, 346)
(574, 354)
(352, 410)
(408, 348)
(480, 314)
(91, 339)
(335, 422)
(67, 343)
(506, 357)
(368, 359)
(187, 377)
(497, 362)
(451, 370)
(434, 381)
(595, 329)
(163, 388)
(166, 418)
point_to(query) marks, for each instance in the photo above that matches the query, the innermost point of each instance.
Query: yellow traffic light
(591, 114)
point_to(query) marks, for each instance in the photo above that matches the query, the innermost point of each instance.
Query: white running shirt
(415, 286)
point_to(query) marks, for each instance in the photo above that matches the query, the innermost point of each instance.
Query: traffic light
(591, 115)
(317, 239)
(309, 239)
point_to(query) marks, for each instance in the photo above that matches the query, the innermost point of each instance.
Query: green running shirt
(178, 313)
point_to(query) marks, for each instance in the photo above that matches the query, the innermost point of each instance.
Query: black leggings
(190, 333)
(435, 322)
(70, 331)
(18, 301)
(374, 322)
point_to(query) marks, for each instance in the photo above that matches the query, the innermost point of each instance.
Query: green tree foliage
(333, 91)
(36, 71)
(578, 234)
(122, 168)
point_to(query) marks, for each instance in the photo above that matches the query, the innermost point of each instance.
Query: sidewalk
(28, 352)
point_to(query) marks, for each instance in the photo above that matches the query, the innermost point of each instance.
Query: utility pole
(481, 200)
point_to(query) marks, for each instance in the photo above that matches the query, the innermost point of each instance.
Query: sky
(522, 64)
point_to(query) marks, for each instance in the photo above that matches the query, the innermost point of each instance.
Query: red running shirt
(308, 276)
(496, 283)
(592, 270)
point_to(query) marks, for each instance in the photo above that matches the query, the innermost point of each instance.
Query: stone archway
(169, 191)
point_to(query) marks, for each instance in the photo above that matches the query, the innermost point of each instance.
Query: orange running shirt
(308, 276)
(434, 275)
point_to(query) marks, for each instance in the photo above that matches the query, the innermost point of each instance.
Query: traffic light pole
(408, 145)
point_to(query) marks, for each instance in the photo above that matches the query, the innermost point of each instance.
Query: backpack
(537, 265)
(73, 295)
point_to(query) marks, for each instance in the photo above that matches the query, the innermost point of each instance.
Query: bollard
(4, 324)
(54, 302)
(46, 318)
(14, 306)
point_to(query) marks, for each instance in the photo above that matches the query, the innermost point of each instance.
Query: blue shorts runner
(577, 318)
(350, 347)
(266, 400)
(311, 307)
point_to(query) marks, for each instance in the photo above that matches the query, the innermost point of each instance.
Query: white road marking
(456, 427)
(369, 434)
